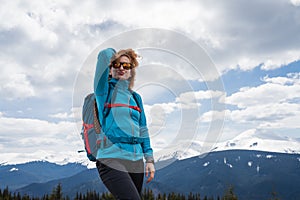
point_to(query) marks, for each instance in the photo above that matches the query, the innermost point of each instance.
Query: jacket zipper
(132, 127)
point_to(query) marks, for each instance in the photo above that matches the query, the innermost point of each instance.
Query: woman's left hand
(149, 169)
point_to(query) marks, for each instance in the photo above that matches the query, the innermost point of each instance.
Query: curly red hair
(129, 53)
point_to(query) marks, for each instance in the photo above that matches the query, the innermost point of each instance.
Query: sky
(209, 70)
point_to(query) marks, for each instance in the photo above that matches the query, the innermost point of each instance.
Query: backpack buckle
(134, 140)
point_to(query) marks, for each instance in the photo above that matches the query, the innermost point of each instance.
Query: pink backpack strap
(113, 105)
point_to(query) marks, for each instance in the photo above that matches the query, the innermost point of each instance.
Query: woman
(124, 136)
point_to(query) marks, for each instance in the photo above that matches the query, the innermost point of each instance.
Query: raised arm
(101, 78)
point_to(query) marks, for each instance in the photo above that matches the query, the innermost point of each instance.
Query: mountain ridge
(253, 174)
(248, 140)
(18, 175)
(251, 139)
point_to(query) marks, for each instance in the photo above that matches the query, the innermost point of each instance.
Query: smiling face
(121, 73)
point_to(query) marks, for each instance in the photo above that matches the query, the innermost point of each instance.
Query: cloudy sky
(48, 50)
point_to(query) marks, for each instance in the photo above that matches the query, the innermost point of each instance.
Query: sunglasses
(125, 65)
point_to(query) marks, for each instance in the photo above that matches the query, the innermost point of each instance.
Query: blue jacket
(120, 125)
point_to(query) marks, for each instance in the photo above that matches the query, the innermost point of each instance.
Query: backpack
(91, 127)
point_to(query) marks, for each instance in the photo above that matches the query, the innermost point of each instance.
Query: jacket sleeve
(144, 133)
(101, 78)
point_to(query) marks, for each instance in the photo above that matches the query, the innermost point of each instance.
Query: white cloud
(180, 119)
(275, 90)
(17, 86)
(278, 80)
(290, 79)
(208, 94)
(277, 61)
(40, 45)
(295, 2)
(14, 83)
(28, 18)
(272, 105)
(230, 33)
(214, 115)
(192, 99)
(62, 116)
(253, 33)
(33, 126)
(44, 44)
(54, 38)
(266, 112)
(158, 116)
(28, 135)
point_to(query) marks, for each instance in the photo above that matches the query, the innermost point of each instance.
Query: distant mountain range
(255, 164)
(20, 175)
(253, 140)
(253, 174)
(248, 140)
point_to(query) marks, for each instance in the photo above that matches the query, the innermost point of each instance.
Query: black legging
(123, 178)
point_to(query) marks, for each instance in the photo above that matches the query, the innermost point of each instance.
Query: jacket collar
(120, 84)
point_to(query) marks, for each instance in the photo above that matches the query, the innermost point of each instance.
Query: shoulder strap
(97, 125)
(136, 98)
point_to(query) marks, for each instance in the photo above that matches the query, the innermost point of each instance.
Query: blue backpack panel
(91, 127)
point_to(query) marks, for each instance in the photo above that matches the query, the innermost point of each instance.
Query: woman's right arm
(101, 78)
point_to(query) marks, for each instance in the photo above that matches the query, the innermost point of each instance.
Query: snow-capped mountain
(248, 140)
(252, 140)
(61, 158)
(255, 163)
(254, 175)
(19, 175)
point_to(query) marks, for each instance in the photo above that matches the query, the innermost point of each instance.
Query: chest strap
(113, 105)
(128, 140)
